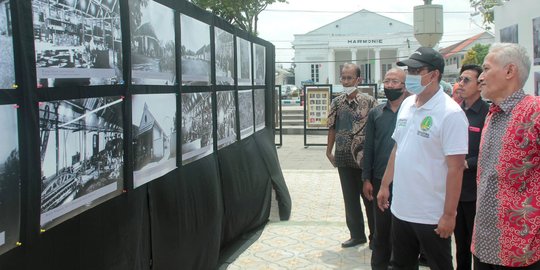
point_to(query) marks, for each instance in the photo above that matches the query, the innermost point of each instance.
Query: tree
(476, 54)
(242, 13)
(486, 8)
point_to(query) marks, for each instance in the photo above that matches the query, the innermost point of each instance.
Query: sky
(280, 22)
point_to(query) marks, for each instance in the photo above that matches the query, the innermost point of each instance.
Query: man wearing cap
(425, 166)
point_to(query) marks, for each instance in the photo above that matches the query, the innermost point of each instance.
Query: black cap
(424, 56)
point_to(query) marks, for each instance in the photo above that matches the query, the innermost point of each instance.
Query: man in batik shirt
(346, 122)
(507, 224)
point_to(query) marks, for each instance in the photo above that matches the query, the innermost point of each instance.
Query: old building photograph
(226, 118)
(224, 42)
(154, 135)
(259, 109)
(245, 109)
(260, 63)
(195, 40)
(7, 76)
(152, 43)
(197, 126)
(243, 52)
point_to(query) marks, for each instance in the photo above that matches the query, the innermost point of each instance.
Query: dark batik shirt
(507, 224)
(348, 118)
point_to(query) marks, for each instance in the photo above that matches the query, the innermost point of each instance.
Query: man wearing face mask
(425, 166)
(346, 128)
(377, 148)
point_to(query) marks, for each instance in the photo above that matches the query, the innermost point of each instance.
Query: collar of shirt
(387, 106)
(430, 104)
(475, 107)
(353, 100)
(510, 102)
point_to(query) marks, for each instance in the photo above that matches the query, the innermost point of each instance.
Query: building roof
(363, 22)
(464, 45)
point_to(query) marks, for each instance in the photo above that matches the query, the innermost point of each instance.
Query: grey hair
(511, 53)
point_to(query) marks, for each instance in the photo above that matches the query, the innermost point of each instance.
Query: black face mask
(393, 94)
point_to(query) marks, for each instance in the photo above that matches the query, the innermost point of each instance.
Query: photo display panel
(245, 109)
(154, 134)
(226, 118)
(259, 109)
(260, 64)
(7, 65)
(82, 155)
(224, 42)
(153, 57)
(77, 43)
(243, 52)
(318, 106)
(10, 182)
(197, 125)
(509, 34)
(195, 50)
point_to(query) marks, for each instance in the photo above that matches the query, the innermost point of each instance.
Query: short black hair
(473, 67)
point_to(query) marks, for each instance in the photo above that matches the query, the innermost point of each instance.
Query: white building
(523, 19)
(372, 41)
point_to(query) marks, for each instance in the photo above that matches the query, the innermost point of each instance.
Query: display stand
(317, 98)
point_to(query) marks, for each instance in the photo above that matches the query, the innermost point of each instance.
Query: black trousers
(351, 187)
(478, 265)
(382, 242)
(463, 233)
(408, 237)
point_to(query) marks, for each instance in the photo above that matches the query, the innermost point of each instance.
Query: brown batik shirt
(348, 117)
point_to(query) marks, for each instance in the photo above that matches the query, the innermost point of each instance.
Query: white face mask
(349, 89)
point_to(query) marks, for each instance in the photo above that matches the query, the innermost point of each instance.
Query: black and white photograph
(7, 76)
(509, 34)
(536, 40)
(259, 64)
(226, 118)
(10, 192)
(82, 155)
(197, 126)
(196, 49)
(259, 109)
(245, 109)
(152, 43)
(243, 52)
(224, 42)
(154, 136)
(78, 43)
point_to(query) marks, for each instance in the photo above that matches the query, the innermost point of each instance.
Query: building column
(353, 56)
(332, 66)
(377, 65)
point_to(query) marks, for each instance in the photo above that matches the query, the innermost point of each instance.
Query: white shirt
(424, 137)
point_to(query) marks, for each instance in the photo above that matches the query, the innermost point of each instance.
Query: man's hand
(331, 158)
(382, 198)
(446, 226)
(368, 190)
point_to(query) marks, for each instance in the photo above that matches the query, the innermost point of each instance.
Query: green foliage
(488, 14)
(476, 54)
(242, 13)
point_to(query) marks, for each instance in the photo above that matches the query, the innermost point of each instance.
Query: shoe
(353, 242)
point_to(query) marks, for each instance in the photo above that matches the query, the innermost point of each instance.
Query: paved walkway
(312, 238)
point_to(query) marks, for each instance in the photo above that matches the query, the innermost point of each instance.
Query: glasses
(392, 82)
(463, 79)
(415, 71)
(347, 78)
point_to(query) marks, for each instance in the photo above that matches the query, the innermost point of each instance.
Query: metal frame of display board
(306, 104)
(278, 105)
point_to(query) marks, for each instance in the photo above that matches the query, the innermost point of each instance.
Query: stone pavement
(312, 238)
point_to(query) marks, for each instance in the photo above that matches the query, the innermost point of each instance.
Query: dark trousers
(463, 233)
(351, 187)
(478, 265)
(382, 242)
(408, 237)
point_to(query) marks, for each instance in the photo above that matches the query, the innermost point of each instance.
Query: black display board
(100, 94)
